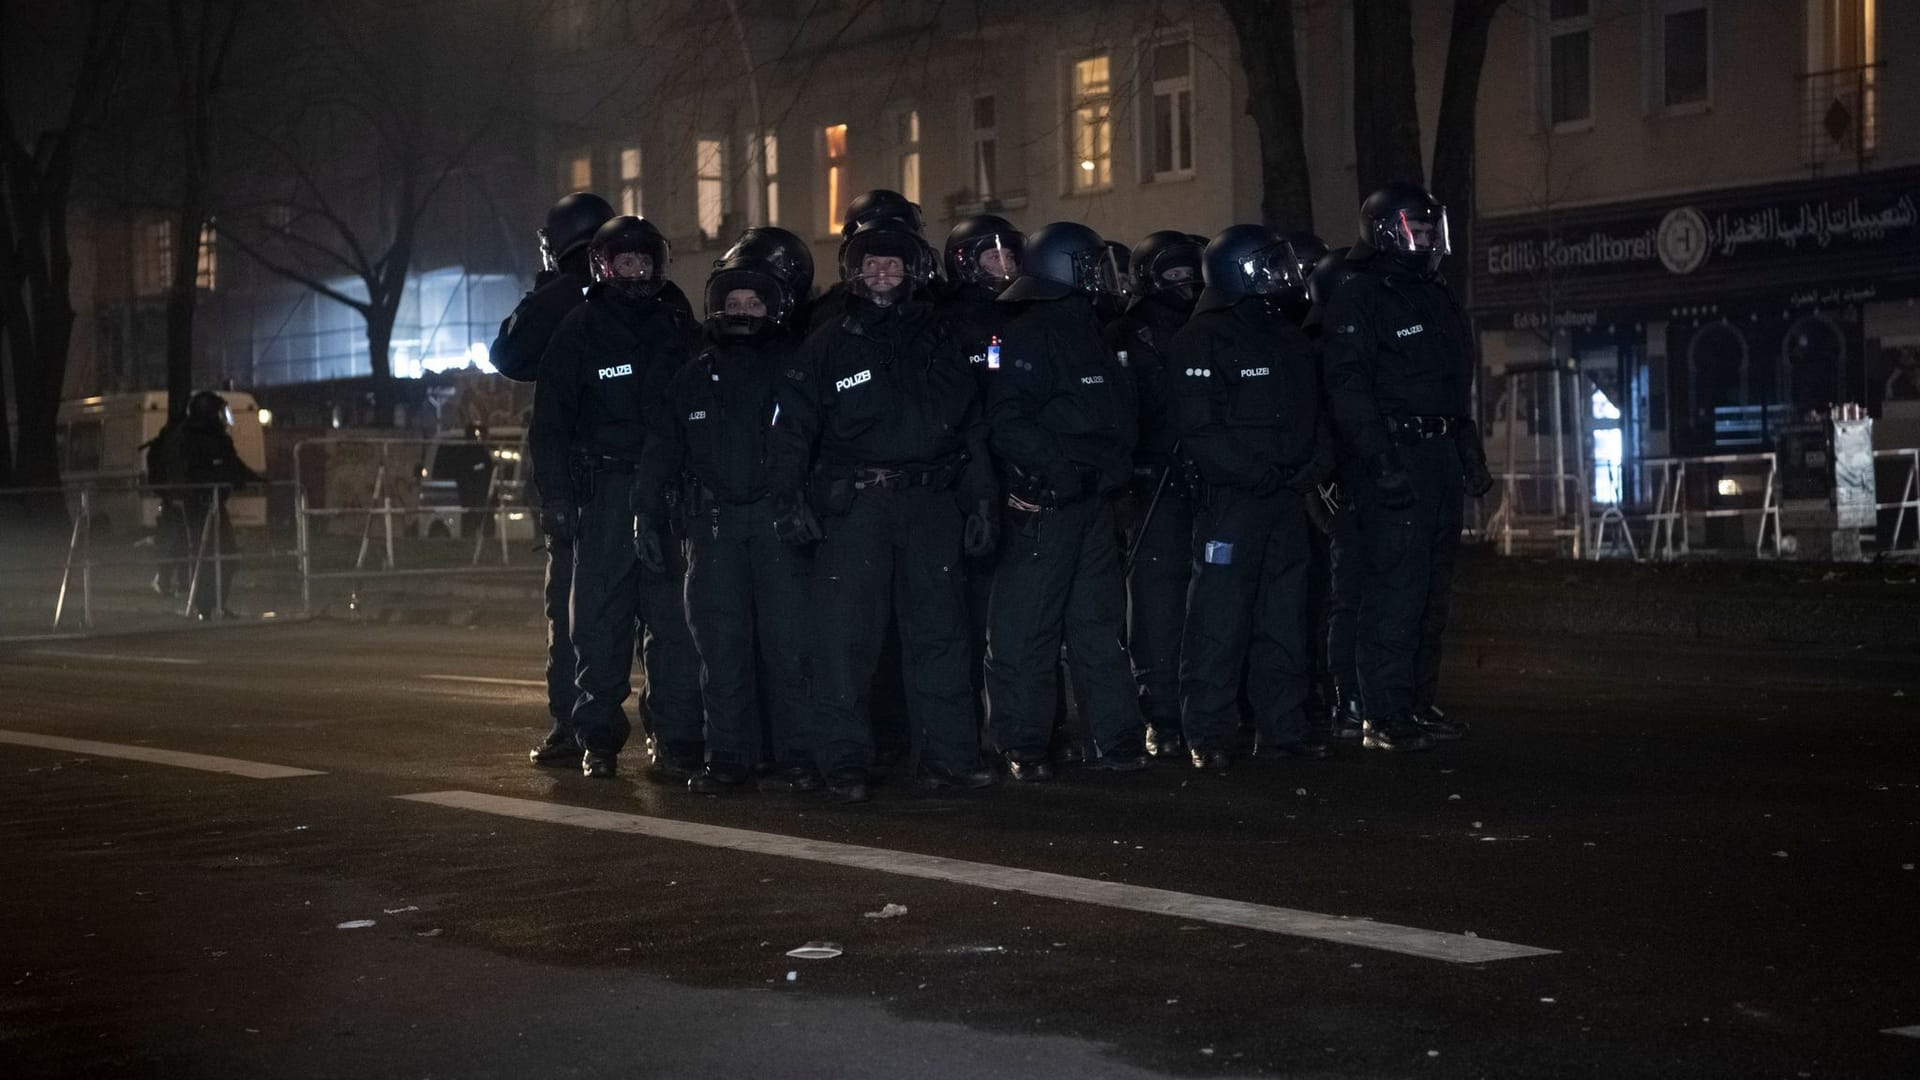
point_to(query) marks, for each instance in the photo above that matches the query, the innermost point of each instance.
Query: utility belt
(583, 466)
(1410, 430)
(832, 487)
(1029, 491)
(1181, 480)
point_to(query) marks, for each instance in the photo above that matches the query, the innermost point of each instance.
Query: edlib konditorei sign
(1852, 237)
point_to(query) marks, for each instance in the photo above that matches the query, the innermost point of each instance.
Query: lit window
(1569, 71)
(770, 163)
(909, 140)
(1843, 67)
(1172, 112)
(710, 168)
(836, 138)
(153, 258)
(576, 173)
(630, 202)
(986, 147)
(206, 272)
(1092, 124)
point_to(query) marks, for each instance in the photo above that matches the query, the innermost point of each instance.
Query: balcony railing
(1840, 116)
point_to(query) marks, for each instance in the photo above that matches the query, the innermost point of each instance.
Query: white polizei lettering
(1254, 372)
(853, 380)
(1092, 380)
(1410, 331)
(697, 414)
(616, 372)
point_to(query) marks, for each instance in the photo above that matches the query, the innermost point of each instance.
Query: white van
(100, 441)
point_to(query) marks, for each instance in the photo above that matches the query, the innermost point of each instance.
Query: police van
(100, 449)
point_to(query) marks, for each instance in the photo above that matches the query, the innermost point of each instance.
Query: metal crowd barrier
(1909, 500)
(1668, 536)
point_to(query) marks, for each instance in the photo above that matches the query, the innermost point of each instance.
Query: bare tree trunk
(1454, 133)
(1264, 29)
(1386, 118)
(183, 297)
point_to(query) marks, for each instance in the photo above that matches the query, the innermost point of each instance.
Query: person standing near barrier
(880, 460)
(1399, 363)
(1063, 418)
(1249, 418)
(1166, 282)
(207, 462)
(744, 587)
(524, 336)
(598, 401)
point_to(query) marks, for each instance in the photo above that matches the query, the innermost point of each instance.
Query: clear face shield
(548, 262)
(1419, 232)
(744, 304)
(993, 261)
(1274, 273)
(637, 273)
(1178, 272)
(882, 268)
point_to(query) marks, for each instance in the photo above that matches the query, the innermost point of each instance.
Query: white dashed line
(252, 770)
(117, 658)
(1431, 944)
(1911, 1031)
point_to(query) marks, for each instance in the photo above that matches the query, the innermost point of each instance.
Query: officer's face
(1000, 263)
(883, 273)
(633, 264)
(746, 302)
(1419, 233)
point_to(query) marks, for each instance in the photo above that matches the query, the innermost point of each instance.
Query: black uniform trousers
(894, 550)
(1348, 569)
(745, 587)
(1248, 615)
(560, 663)
(1409, 559)
(614, 601)
(1157, 603)
(1059, 577)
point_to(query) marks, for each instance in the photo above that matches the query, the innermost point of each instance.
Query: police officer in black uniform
(1249, 416)
(743, 584)
(1346, 564)
(598, 401)
(981, 257)
(881, 446)
(786, 257)
(1165, 269)
(1399, 370)
(524, 335)
(1064, 419)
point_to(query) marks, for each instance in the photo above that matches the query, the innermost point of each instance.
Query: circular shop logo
(1682, 240)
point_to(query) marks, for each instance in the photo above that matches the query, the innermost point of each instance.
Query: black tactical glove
(795, 524)
(1390, 479)
(646, 544)
(559, 521)
(1473, 459)
(982, 536)
(1321, 510)
(1065, 483)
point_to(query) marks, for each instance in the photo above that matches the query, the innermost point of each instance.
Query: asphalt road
(1717, 845)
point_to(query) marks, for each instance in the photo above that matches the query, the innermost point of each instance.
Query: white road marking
(1911, 1031)
(122, 658)
(487, 680)
(1431, 944)
(252, 770)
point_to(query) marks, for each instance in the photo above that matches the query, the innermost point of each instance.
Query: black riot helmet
(1116, 281)
(1167, 261)
(1249, 261)
(785, 254)
(1308, 249)
(750, 275)
(1331, 272)
(978, 243)
(1406, 222)
(880, 203)
(1062, 259)
(208, 409)
(571, 224)
(611, 255)
(884, 238)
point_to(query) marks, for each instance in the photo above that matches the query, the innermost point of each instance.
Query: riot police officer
(786, 257)
(597, 403)
(879, 204)
(206, 460)
(524, 335)
(981, 257)
(1346, 567)
(880, 458)
(1248, 414)
(1165, 269)
(1399, 366)
(743, 585)
(1063, 418)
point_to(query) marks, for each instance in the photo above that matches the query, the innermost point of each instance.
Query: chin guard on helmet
(764, 282)
(885, 238)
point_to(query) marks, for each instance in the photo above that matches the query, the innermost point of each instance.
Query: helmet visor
(991, 260)
(1415, 231)
(1272, 271)
(737, 295)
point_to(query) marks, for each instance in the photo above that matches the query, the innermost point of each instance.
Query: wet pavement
(1717, 844)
